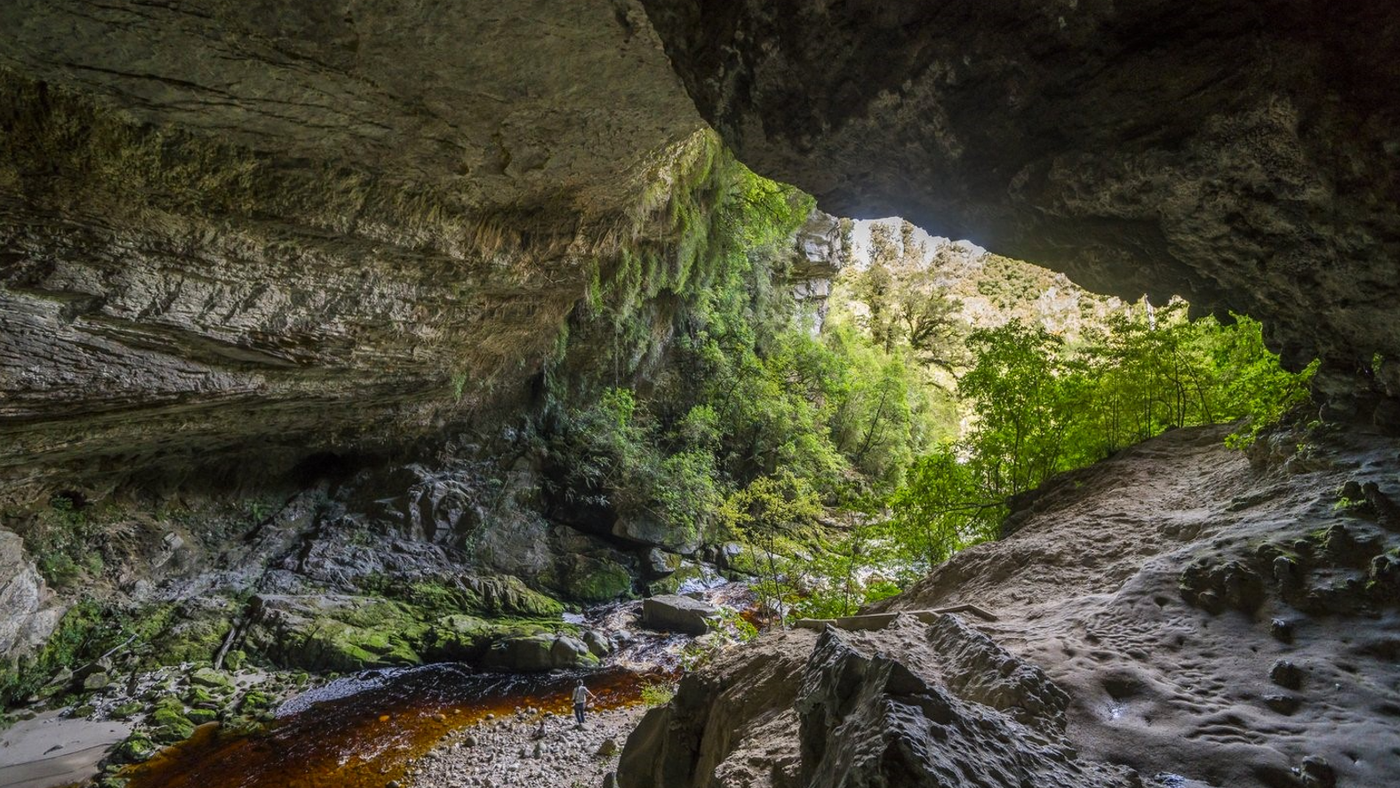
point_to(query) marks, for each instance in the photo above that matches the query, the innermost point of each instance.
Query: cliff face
(240, 233)
(236, 232)
(1180, 610)
(1244, 155)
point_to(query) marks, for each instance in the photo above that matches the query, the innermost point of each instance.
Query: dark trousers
(578, 712)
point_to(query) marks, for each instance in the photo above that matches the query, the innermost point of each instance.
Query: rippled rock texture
(913, 705)
(236, 233)
(1244, 155)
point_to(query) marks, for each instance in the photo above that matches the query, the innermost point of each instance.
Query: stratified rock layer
(234, 234)
(1244, 155)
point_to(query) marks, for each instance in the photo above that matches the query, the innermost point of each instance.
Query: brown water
(365, 738)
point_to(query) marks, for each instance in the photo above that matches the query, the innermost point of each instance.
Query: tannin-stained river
(361, 732)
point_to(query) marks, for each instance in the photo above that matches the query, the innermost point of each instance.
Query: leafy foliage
(1042, 405)
(709, 377)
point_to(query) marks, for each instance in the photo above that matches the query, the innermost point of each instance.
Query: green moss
(255, 701)
(80, 635)
(491, 596)
(169, 726)
(127, 710)
(135, 748)
(214, 680)
(378, 634)
(594, 580)
(201, 716)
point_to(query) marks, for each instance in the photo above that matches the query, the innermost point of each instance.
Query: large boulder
(537, 653)
(912, 705)
(867, 718)
(647, 530)
(28, 611)
(671, 613)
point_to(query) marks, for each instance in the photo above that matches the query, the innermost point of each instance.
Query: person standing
(581, 696)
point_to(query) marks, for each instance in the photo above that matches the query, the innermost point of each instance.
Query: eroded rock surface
(236, 234)
(912, 704)
(1181, 614)
(1246, 156)
(1164, 588)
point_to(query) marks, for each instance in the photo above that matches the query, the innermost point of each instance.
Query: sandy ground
(1089, 589)
(511, 752)
(49, 750)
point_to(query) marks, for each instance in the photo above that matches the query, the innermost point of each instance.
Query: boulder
(671, 613)
(657, 563)
(597, 643)
(537, 653)
(593, 580)
(643, 529)
(28, 611)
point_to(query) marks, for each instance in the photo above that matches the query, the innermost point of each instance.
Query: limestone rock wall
(1243, 155)
(240, 233)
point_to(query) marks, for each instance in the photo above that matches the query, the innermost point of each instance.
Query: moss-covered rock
(127, 710)
(135, 748)
(255, 701)
(594, 580)
(531, 653)
(688, 572)
(169, 724)
(211, 679)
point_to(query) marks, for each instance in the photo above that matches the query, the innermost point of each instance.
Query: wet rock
(658, 563)
(1316, 773)
(1283, 704)
(670, 613)
(597, 644)
(534, 653)
(1282, 630)
(1286, 674)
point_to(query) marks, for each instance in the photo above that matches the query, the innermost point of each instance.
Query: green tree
(767, 513)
